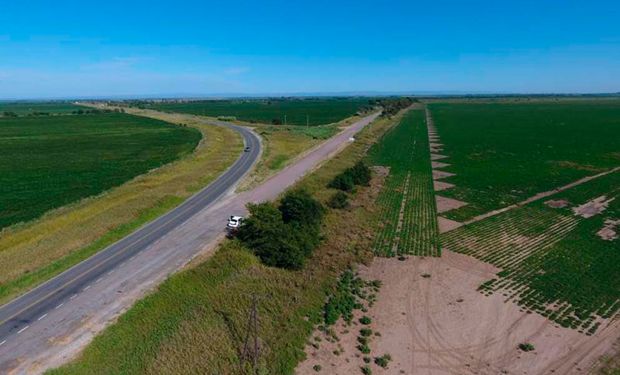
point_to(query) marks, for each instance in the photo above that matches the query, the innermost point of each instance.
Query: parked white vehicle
(234, 222)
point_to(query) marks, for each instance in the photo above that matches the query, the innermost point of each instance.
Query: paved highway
(18, 314)
(40, 335)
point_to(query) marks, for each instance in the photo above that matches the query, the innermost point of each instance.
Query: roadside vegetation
(32, 252)
(504, 152)
(408, 223)
(276, 111)
(197, 320)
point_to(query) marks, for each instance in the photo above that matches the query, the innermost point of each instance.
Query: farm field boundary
(503, 153)
(33, 252)
(408, 219)
(552, 260)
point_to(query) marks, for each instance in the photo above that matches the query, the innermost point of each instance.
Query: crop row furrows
(519, 242)
(408, 223)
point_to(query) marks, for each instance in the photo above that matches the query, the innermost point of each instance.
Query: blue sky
(114, 48)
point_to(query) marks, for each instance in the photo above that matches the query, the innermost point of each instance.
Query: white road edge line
(59, 306)
(23, 329)
(2, 343)
(85, 289)
(73, 296)
(98, 280)
(42, 316)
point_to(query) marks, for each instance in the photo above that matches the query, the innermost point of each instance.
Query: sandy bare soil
(446, 225)
(445, 204)
(438, 164)
(437, 174)
(608, 232)
(440, 324)
(593, 207)
(440, 185)
(437, 156)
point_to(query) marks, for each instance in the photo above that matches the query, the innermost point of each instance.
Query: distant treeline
(392, 106)
(93, 111)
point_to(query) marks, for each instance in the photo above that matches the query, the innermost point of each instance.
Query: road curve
(55, 337)
(18, 314)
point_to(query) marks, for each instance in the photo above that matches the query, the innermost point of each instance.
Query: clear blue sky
(71, 48)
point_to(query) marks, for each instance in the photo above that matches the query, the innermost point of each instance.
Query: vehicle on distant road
(247, 149)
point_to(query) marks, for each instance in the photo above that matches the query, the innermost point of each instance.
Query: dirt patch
(446, 225)
(438, 156)
(440, 185)
(560, 203)
(608, 233)
(593, 207)
(437, 174)
(432, 320)
(446, 204)
(438, 164)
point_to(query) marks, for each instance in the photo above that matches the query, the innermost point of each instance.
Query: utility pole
(251, 349)
(285, 119)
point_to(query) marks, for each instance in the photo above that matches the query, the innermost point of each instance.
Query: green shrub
(363, 348)
(343, 181)
(285, 236)
(339, 200)
(365, 332)
(342, 302)
(365, 320)
(526, 347)
(360, 173)
(366, 370)
(317, 368)
(300, 207)
(383, 361)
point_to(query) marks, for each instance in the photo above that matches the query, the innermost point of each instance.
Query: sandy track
(450, 328)
(442, 325)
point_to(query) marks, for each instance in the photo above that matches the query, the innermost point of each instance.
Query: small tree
(300, 207)
(339, 200)
(343, 181)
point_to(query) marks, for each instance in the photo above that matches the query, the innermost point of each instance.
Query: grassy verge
(35, 251)
(195, 322)
(283, 144)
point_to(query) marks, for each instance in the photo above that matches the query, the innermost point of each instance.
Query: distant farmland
(502, 153)
(29, 108)
(48, 162)
(289, 111)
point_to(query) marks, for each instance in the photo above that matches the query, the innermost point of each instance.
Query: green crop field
(48, 162)
(26, 108)
(505, 152)
(553, 262)
(408, 223)
(297, 111)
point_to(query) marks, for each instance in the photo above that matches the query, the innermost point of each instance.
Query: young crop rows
(552, 263)
(408, 218)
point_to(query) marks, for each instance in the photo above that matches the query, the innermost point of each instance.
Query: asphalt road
(48, 338)
(17, 315)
